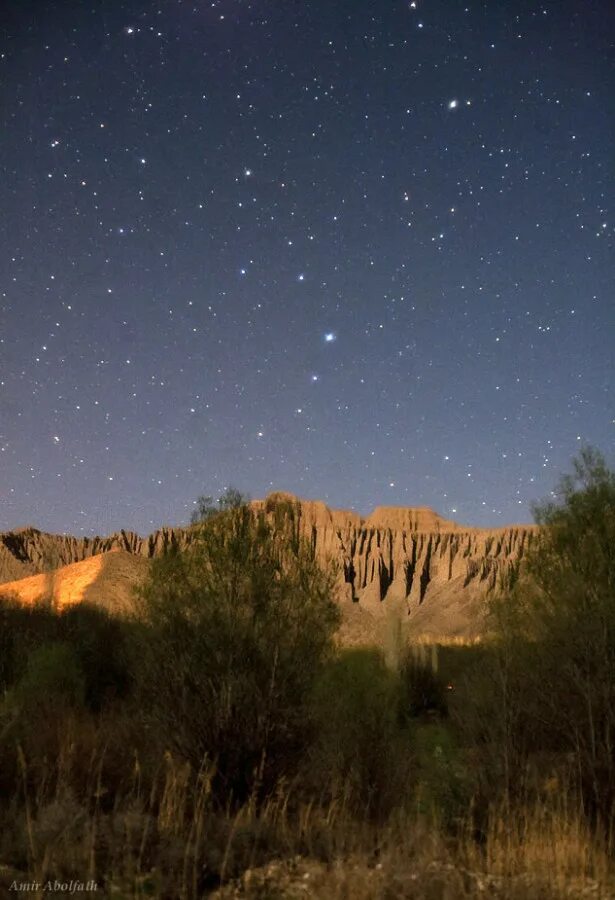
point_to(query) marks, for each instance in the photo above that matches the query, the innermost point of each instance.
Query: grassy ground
(383, 806)
(170, 841)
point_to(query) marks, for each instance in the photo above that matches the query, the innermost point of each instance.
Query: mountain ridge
(406, 561)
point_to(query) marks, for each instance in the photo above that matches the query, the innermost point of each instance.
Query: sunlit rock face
(412, 563)
(408, 563)
(106, 580)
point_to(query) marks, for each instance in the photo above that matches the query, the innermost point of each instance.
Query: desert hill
(405, 563)
(105, 580)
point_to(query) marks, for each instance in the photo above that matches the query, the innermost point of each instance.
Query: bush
(34, 713)
(53, 678)
(556, 633)
(22, 629)
(234, 631)
(59, 671)
(100, 643)
(360, 752)
(445, 783)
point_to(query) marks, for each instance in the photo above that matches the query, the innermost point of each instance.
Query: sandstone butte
(397, 565)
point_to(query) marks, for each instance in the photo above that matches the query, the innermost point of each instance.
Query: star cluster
(358, 251)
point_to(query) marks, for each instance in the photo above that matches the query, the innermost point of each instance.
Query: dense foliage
(555, 633)
(221, 726)
(235, 631)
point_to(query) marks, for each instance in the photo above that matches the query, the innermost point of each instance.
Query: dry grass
(447, 641)
(170, 842)
(556, 858)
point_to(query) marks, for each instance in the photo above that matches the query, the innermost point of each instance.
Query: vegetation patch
(220, 743)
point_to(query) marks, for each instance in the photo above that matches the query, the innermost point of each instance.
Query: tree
(206, 508)
(235, 630)
(559, 620)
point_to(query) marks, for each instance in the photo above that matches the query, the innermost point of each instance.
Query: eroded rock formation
(404, 560)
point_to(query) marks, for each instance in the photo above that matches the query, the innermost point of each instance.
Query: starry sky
(354, 249)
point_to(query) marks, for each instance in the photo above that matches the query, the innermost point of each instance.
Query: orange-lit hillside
(105, 580)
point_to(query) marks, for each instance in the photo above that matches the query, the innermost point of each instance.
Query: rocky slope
(408, 562)
(104, 580)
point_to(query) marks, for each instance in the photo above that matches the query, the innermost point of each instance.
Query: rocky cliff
(407, 561)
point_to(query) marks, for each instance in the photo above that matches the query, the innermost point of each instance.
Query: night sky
(360, 251)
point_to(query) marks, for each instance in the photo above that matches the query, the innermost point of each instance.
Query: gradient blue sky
(360, 251)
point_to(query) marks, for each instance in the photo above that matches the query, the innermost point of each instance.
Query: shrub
(35, 712)
(101, 646)
(8, 650)
(556, 633)
(53, 678)
(360, 752)
(22, 629)
(98, 643)
(235, 630)
(445, 783)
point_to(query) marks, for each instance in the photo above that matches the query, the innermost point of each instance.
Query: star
(424, 240)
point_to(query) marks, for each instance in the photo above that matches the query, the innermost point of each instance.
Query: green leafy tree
(235, 630)
(556, 627)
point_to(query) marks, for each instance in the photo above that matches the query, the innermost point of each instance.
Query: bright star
(330, 337)
(453, 104)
